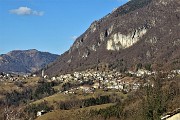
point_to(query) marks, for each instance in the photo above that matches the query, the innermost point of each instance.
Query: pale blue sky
(48, 25)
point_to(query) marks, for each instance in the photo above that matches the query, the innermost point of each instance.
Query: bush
(32, 110)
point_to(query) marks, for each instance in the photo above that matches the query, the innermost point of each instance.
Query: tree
(154, 103)
(66, 86)
(173, 90)
(148, 66)
(138, 66)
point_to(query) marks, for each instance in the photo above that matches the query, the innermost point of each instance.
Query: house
(96, 85)
(121, 86)
(135, 86)
(53, 78)
(176, 71)
(85, 88)
(45, 76)
(40, 113)
(34, 75)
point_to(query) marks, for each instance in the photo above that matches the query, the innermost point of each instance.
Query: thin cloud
(74, 37)
(26, 11)
(1, 51)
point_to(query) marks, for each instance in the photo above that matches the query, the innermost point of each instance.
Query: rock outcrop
(139, 32)
(119, 41)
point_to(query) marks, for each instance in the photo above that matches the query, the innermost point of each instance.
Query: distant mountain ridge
(25, 61)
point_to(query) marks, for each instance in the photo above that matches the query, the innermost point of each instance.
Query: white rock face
(152, 40)
(119, 41)
(102, 36)
(93, 27)
(93, 48)
(176, 42)
(109, 30)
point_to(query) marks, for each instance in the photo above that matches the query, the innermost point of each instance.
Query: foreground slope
(142, 32)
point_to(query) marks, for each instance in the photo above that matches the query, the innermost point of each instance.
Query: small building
(40, 113)
(53, 78)
(96, 85)
(34, 75)
(42, 73)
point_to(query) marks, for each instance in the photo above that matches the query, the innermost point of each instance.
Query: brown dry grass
(74, 114)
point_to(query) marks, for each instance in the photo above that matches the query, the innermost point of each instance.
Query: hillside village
(129, 81)
(100, 80)
(90, 79)
(84, 83)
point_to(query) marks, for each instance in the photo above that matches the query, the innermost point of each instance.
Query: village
(89, 80)
(84, 83)
(109, 80)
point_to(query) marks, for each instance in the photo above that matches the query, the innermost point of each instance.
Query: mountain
(141, 33)
(25, 61)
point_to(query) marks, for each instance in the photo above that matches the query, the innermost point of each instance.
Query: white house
(40, 113)
(96, 85)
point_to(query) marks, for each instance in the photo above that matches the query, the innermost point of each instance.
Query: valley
(87, 94)
(125, 66)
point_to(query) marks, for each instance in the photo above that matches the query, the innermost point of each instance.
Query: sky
(48, 25)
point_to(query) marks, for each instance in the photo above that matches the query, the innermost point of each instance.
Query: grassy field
(10, 86)
(65, 97)
(32, 81)
(74, 114)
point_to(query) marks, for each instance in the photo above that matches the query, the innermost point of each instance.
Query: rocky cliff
(142, 32)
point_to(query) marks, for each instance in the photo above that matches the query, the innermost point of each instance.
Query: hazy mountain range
(25, 61)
